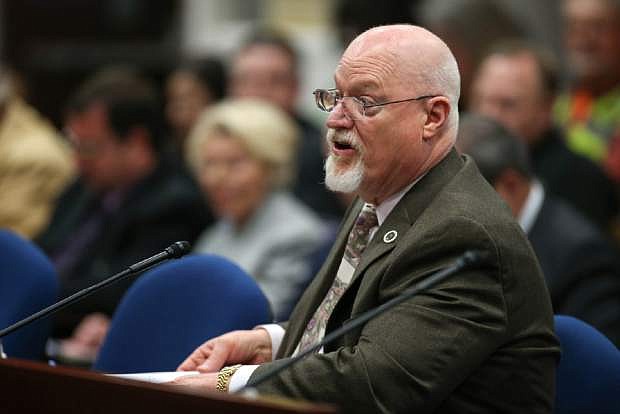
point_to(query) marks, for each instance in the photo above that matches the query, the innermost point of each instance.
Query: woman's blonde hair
(268, 133)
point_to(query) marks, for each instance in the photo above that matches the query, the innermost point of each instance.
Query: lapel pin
(390, 236)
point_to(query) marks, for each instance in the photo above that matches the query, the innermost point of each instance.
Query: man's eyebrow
(365, 87)
(359, 87)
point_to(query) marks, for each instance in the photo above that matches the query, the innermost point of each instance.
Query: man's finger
(201, 382)
(196, 358)
(217, 358)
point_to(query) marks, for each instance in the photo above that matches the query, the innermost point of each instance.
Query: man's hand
(237, 347)
(92, 329)
(87, 338)
(200, 382)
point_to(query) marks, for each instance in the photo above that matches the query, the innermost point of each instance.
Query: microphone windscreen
(178, 249)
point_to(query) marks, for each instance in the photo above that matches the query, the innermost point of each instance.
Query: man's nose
(338, 118)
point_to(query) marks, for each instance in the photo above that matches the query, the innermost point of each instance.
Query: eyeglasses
(355, 108)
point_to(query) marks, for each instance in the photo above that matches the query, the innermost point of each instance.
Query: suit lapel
(407, 211)
(400, 221)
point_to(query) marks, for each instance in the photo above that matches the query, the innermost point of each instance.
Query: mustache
(347, 137)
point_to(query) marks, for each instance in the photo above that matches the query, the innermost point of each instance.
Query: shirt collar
(532, 206)
(385, 208)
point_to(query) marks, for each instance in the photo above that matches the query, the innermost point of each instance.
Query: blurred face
(100, 157)
(186, 97)
(509, 89)
(592, 38)
(381, 153)
(235, 182)
(265, 72)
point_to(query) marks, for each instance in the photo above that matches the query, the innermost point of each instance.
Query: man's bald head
(421, 61)
(388, 147)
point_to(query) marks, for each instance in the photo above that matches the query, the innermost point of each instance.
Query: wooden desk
(30, 387)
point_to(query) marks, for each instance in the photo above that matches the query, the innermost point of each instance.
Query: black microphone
(173, 251)
(469, 259)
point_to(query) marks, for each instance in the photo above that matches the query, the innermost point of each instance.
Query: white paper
(156, 377)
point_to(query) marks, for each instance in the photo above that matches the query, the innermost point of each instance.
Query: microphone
(469, 259)
(173, 251)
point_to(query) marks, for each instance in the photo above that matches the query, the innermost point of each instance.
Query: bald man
(479, 342)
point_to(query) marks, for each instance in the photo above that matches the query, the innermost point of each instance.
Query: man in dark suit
(481, 341)
(128, 203)
(516, 85)
(581, 266)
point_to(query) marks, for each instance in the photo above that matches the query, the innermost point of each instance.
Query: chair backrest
(588, 377)
(28, 283)
(174, 308)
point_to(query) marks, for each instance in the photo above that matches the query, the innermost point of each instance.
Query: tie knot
(367, 218)
(360, 234)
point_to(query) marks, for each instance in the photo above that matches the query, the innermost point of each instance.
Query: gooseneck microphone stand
(467, 260)
(174, 251)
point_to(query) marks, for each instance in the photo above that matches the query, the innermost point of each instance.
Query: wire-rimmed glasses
(354, 107)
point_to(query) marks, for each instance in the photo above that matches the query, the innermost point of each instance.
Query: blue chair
(28, 283)
(588, 377)
(174, 308)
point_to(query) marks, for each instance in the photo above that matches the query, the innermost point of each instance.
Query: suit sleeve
(414, 355)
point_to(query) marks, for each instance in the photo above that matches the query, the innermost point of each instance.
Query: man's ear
(438, 110)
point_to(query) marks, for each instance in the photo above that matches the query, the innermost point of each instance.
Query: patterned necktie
(357, 242)
(360, 234)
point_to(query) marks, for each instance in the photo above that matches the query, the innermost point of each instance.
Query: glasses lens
(324, 100)
(327, 99)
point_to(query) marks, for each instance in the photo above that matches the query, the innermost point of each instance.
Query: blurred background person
(581, 267)
(589, 111)
(243, 154)
(190, 88)
(469, 28)
(352, 17)
(35, 163)
(127, 203)
(266, 67)
(516, 84)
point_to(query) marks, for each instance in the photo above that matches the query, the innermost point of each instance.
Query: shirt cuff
(243, 374)
(276, 333)
(241, 377)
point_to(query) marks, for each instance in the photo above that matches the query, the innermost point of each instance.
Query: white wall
(219, 26)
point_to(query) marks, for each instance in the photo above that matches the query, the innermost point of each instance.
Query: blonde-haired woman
(242, 153)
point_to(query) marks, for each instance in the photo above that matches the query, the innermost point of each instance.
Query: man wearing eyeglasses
(481, 341)
(128, 201)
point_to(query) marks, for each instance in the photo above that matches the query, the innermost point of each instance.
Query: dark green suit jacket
(480, 342)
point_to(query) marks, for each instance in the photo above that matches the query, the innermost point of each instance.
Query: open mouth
(342, 146)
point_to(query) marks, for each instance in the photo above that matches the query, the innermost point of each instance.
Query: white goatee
(349, 180)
